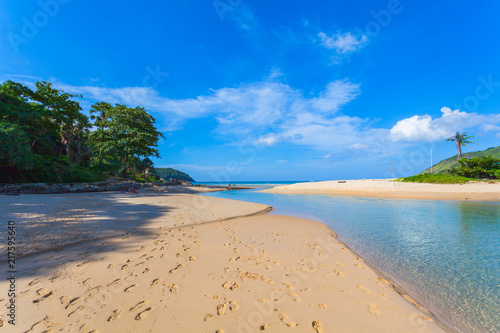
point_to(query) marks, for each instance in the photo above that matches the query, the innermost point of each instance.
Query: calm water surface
(444, 253)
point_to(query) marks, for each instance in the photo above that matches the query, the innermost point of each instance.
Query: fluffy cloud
(425, 128)
(342, 43)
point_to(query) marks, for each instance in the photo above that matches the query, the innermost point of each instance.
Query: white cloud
(425, 128)
(342, 43)
(358, 146)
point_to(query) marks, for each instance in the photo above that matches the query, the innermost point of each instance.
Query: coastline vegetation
(470, 169)
(45, 137)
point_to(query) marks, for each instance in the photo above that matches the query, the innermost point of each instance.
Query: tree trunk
(459, 152)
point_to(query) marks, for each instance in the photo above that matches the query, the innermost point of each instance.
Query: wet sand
(177, 262)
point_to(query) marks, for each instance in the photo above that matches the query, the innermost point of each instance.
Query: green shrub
(478, 168)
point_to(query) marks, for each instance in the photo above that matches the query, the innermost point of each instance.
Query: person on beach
(229, 186)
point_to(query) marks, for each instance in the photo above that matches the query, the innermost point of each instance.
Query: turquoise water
(444, 253)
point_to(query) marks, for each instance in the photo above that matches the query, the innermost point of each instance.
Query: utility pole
(431, 161)
(393, 180)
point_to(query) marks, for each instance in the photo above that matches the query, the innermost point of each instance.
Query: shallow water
(444, 253)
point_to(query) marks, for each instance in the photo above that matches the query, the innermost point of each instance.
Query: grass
(436, 179)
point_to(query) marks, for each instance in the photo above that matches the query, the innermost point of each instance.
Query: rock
(177, 181)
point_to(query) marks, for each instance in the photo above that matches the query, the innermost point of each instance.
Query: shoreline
(383, 188)
(253, 241)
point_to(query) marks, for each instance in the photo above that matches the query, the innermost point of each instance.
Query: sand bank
(164, 267)
(477, 191)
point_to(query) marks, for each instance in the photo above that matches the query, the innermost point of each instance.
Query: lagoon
(446, 254)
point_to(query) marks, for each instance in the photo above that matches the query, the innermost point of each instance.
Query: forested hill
(167, 173)
(452, 162)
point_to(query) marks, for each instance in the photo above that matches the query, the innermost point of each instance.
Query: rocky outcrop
(177, 181)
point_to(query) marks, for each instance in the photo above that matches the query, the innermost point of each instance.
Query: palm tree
(461, 139)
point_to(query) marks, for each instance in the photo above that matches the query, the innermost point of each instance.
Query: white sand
(169, 269)
(480, 191)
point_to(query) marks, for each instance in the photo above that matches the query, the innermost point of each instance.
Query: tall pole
(391, 167)
(431, 161)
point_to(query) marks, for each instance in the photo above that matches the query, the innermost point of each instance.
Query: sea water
(446, 254)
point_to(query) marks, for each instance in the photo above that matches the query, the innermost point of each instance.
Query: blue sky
(281, 90)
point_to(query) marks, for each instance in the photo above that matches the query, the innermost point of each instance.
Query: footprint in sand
(366, 290)
(143, 314)
(288, 285)
(115, 282)
(179, 254)
(41, 291)
(231, 285)
(64, 300)
(316, 325)
(233, 306)
(306, 289)
(55, 277)
(263, 327)
(192, 258)
(321, 306)
(44, 297)
(221, 309)
(176, 268)
(138, 305)
(213, 296)
(115, 315)
(339, 273)
(73, 302)
(35, 281)
(208, 317)
(125, 266)
(262, 300)
(129, 288)
(81, 307)
(290, 323)
(155, 282)
(111, 266)
(295, 297)
(359, 266)
(373, 308)
(173, 288)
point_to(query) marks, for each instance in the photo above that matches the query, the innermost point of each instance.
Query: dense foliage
(167, 173)
(44, 136)
(435, 179)
(484, 167)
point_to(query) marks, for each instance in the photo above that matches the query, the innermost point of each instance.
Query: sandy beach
(179, 262)
(386, 188)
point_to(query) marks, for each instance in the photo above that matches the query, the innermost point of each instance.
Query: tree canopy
(45, 136)
(461, 139)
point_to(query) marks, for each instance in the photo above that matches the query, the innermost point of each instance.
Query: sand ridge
(387, 188)
(258, 273)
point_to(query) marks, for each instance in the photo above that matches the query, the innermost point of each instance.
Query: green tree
(101, 115)
(127, 135)
(15, 150)
(66, 114)
(478, 167)
(461, 139)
